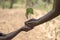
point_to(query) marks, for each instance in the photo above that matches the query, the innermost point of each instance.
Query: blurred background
(40, 4)
(13, 14)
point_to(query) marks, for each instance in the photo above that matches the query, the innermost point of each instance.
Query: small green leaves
(29, 11)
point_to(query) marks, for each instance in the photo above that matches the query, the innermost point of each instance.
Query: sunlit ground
(12, 19)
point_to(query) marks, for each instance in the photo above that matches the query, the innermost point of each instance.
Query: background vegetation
(12, 17)
(40, 4)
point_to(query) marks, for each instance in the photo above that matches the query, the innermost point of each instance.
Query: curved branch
(52, 14)
(49, 16)
(13, 34)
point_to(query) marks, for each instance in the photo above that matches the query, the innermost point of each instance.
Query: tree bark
(11, 5)
(52, 14)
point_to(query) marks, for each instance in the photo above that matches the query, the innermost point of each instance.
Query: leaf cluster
(29, 11)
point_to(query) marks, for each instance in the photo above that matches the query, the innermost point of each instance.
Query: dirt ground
(12, 19)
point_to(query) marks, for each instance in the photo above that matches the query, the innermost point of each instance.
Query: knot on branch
(26, 28)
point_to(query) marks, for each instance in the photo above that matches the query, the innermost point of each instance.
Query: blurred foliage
(29, 11)
(19, 3)
(40, 4)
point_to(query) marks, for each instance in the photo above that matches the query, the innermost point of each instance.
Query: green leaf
(29, 11)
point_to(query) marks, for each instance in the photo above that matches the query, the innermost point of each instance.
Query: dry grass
(12, 19)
